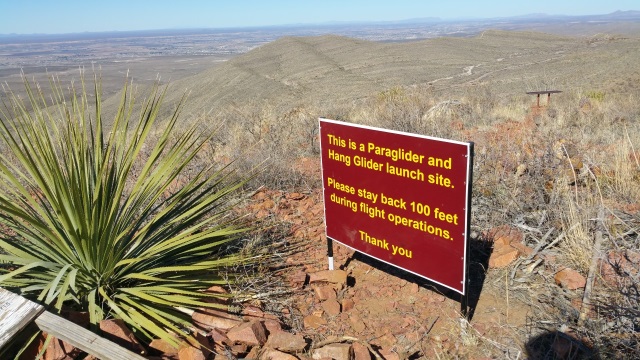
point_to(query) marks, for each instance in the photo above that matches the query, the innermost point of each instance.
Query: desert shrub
(595, 95)
(262, 137)
(103, 220)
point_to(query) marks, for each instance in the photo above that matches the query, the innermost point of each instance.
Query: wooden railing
(17, 312)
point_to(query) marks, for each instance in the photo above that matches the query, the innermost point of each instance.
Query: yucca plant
(86, 216)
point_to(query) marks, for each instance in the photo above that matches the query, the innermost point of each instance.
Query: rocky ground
(365, 309)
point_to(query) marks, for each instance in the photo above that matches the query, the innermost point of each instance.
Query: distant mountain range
(629, 15)
(632, 15)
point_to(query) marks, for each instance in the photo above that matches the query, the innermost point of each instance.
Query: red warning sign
(400, 198)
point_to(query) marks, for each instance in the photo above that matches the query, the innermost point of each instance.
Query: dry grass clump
(255, 136)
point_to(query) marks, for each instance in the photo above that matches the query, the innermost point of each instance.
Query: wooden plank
(16, 313)
(83, 339)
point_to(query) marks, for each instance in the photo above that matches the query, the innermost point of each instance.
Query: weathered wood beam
(17, 312)
(82, 338)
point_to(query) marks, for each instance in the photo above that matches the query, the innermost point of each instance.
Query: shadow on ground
(478, 260)
(556, 345)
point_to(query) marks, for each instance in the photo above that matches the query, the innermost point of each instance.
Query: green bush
(91, 216)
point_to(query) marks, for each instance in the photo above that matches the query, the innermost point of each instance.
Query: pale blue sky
(65, 16)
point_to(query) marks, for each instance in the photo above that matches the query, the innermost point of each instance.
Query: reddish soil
(397, 313)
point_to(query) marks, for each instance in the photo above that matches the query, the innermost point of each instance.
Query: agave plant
(86, 216)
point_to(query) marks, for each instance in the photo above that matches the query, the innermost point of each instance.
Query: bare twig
(586, 299)
(633, 151)
(334, 341)
(541, 244)
(561, 236)
(264, 295)
(528, 228)
(573, 171)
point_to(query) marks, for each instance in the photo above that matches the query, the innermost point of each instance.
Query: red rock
(271, 354)
(260, 195)
(356, 323)
(505, 234)
(619, 265)
(286, 313)
(313, 322)
(116, 331)
(508, 245)
(206, 346)
(389, 354)
(334, 351)
(387, 341)
(219, 337)
(437, 298)
(190, 353)
(413, 336)
(317, 210)
(160, 346)
(209, 319)
(480, 328)
(239, 350)
(570, 279)
(503, 256)
(250, 333)
(32, 351)
(268, 204)
(295, 196)
(60, 350)
(272, 326)
(325, 292)
(253, 311)
(262, 213)
(217, 289)
(253, 354)
(287, 342)
(332, 276)
(298, 279)
(360, 352)
(347, 304)
(501, 241)
(414, 288)
(522, 248)
(331, 307)
(222, 296)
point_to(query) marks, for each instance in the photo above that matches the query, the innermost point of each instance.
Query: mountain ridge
(299, 71)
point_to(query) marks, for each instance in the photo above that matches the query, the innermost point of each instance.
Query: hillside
(296, 71)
